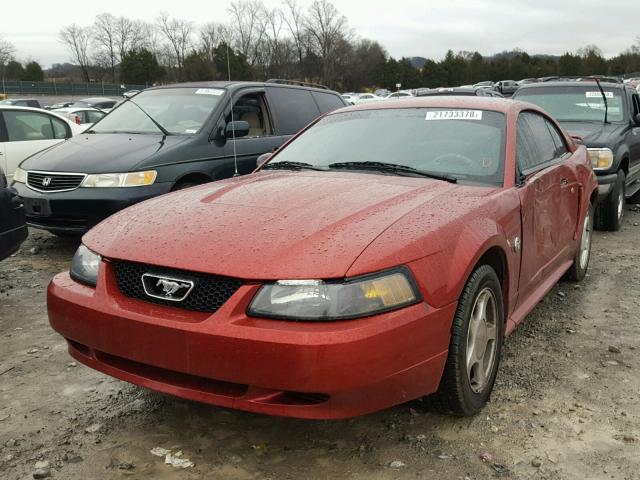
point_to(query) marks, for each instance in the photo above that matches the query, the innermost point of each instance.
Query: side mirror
(262, 159)
(237, 129)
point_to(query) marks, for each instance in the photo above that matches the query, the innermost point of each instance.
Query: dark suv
(13, 229)
(606, 118)
(163, 139)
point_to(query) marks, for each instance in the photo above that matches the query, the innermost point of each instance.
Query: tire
(183, 185)
(580, 265)
(463, 391)
(610, 213)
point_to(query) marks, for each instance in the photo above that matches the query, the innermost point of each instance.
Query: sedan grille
(54, 182)
(209, 292)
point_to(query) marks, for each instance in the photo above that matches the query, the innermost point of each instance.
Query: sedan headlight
(134, 179)
(84, 266)
(20, 176)
(601, 158)
(341, 300)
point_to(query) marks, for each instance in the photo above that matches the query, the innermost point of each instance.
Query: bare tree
(77, 40)
(130, 35)
(249, 27)
(295, 21)
(104, 36)
(210, 38)
(328, 28)
(178, 33)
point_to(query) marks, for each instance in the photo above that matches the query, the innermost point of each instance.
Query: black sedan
(13, 229)
(457, 91)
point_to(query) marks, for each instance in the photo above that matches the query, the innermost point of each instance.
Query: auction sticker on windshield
(599, 94)
(209, 91)
(454, 115)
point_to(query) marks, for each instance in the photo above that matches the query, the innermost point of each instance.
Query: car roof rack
(297, 82)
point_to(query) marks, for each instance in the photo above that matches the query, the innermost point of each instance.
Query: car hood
(595, 134)
(269, 225)
(101, 153)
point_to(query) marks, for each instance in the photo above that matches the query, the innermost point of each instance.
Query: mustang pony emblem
(169, 287)
(166, 288)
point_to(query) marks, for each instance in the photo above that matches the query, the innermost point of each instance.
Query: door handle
(564, 181)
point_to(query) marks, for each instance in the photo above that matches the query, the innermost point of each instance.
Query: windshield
(180, 111)
(576, 104)
(467, 145)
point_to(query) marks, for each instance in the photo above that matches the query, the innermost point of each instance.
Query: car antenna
(604, 97)
(233, 130)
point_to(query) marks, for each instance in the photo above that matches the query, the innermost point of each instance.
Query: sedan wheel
(481, 340)
(474, 351)
(578, 269)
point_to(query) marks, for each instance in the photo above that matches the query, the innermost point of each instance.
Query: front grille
(54, 182)
(209, 292)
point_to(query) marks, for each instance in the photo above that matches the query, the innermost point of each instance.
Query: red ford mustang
(380, 256)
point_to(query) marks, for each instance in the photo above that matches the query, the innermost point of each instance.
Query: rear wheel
(611, 211)
(476, 342)
(580, 265)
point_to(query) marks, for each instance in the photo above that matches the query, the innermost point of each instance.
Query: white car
(25, 131)
(400, 94)
(350, 99)
(85, 117)
(366, 98)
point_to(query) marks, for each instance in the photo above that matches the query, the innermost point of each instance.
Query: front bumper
(76, 211)
(323, 370)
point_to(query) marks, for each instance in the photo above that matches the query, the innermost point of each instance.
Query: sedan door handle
(564, 181)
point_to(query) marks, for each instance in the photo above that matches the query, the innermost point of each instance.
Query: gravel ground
(565, 406)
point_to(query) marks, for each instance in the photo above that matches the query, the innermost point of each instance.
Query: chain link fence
(53, 88)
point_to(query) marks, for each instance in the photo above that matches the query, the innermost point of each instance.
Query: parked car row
(346, 270)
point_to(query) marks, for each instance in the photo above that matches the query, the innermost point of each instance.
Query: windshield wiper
(160, 127)
(393, 168)
(293, 166)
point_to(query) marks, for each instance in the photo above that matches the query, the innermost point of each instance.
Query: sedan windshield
(461, 145)
(176, 111)
(575, 104)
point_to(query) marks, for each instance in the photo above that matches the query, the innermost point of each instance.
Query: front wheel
(474, 352)
(578, 270)
(610, 213)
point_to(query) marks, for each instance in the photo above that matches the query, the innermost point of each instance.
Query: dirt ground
(566, 404)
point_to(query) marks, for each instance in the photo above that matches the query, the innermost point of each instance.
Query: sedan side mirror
(237, 129)
(262, 159)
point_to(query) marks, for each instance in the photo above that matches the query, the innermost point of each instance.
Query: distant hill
(417, 62)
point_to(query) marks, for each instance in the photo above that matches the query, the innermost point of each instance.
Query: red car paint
(299, 225)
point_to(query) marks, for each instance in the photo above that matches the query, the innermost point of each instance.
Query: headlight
(84, 266)
(20, 176)
(319, 300)
(134, 179)
(601, 158)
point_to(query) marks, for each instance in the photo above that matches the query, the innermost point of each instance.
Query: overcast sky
(405, 28)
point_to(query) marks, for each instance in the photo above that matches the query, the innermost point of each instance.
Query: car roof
(502, 105)
(76, 109)
(96, 99)
(571, 83)
(237, 84)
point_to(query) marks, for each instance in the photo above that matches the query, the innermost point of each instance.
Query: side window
(327, 101)
(252, 109)
(60, 128)
(294, 108)
(25, 126)
(636, 104)
(534, 139)
(558, 140)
